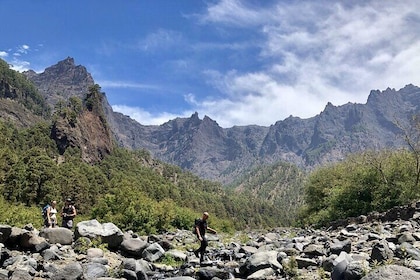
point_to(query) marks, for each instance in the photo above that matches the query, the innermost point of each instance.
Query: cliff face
(212, 152)
(89, 134)
(88, 131)
(61, 81)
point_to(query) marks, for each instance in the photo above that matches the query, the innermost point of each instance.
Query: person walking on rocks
(51, 215)
(200, 231)
(68, 213)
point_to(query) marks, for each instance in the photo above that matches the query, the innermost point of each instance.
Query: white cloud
(144, 117)
(20, 65)
(23, 49)
(3, 54)
(315, 52)
(125, 84)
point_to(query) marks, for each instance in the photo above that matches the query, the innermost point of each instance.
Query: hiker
(50, 218)
(68, 213)
(200, 231)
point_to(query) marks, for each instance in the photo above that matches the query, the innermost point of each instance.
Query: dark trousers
(202, 249)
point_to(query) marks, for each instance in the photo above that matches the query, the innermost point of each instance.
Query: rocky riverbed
(378, 246)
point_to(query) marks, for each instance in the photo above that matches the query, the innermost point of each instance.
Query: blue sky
(240, 62)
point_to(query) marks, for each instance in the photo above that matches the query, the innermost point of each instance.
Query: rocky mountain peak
(62, 80)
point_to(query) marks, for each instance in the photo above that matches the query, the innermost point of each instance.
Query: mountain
(225, 154)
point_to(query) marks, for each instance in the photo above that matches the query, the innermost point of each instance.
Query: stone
(60, 235)
(212, 273)
(259, 261)
(93, 271)
(107, 232)
(314, 250)
(177, 255)
(94, 253)
(305, 262)
(29, 240)
(392, 272)
(71, 271)
(261, 274)
(381, 252)
(21, 274)
(249, 250)
(133, 247)
(5, 232)
(338, 246)
(153, 252)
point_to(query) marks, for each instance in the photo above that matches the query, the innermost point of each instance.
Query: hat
(68, 199)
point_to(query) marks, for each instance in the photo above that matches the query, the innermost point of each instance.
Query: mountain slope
(224, 154)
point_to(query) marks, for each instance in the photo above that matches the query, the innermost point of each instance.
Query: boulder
(266, 273)
(94, 253)
(208, 273)
(60, 235)
(153, 252)
(260, 260)
(133, 247)
(5, 232)
(71, 271)
(381, 252)
(93, 271)
(22, 263)
(177, 255)
(32, 241)
(392, 272)
(107, 232)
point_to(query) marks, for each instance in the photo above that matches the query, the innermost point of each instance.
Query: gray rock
(21, 274)
(4, 274)
(129, 274)
(406, 237)
(133, 247)
(179, 278)
(71, 271)
(94, 253)
(249, 250)
(177, 255)
(355, 270)
(212, 273)
(59, 235)
(153, 252)
(381, 252)
(5, 232)
(338, 246)
(50, 255)
(108, 232)
(29, 239)
(305, 262)
(261, 274)
(407, 250)
(392, 272)
(314, 250)
(259, 261)
(93, 271)
(21, 262)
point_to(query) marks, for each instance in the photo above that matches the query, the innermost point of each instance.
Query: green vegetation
(15, 85)
(128, 188)
(370, 181)
(280, 184)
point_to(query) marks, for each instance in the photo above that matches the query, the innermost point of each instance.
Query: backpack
(44, 211)
(196, 221)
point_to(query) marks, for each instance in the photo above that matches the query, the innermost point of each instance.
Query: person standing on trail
(68, 213)
(200, 231)
(51, 215)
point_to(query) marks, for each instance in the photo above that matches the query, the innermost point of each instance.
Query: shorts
(67, 223)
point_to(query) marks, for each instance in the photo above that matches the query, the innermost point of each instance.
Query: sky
(239, 62)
